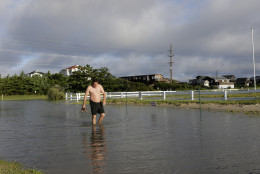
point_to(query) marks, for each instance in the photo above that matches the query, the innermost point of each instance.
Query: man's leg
(94, 119)
(102, 115)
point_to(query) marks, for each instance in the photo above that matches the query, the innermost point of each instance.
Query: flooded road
(59, 139)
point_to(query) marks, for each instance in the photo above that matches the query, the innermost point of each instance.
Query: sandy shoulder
(233, 107)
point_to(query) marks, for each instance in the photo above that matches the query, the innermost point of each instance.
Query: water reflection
(96, 149)
(44, 135)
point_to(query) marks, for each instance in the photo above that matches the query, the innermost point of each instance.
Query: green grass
(188, 96)
(179, 102)
(55, 94)
(24, 97)
(15, 168)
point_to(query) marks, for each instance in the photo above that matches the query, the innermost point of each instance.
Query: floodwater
(57, 138)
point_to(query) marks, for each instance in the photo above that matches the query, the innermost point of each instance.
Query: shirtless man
(95, 90)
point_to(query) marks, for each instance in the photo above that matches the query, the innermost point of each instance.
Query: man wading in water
(95, 90)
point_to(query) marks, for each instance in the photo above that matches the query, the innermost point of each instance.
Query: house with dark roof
(35, 73)
(257, 79)
(150, 78)
(219, 82)
(223, 83)
(243, 81)
(232, 78)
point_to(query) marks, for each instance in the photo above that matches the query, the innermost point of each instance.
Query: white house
(224, 83)
(35, 72)
(68, 71)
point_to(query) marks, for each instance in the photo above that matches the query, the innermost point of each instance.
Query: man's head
(94, 82)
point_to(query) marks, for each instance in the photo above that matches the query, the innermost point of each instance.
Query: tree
(79, 80)
(1, 84)
(57, 80)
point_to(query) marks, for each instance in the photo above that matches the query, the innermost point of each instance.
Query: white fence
(158, 95)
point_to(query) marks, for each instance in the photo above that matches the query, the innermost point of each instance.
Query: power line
(49, 54)
(34, 64)
(171, 61)
(61, 46)
(64, 47)
(253, 49)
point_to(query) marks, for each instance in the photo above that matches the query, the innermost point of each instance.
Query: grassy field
(250, 107)
(179, 102)
(213, 95)
(15, 168)
(146, 100)
(24, 97)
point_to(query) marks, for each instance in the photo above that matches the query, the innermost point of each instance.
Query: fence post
(192, 95)
(140, 95)
(225, 94)
(122, 95)
(164, 95)
(77, 94)
(70, 96)
(66, 96)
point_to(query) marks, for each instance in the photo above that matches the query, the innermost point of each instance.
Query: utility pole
(171, 62)
(252, 29)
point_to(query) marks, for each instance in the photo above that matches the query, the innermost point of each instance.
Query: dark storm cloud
(130, 37)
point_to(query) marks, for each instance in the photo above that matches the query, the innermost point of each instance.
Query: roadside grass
(188, 96)
(179, 102)
(207, 95)
(15, 168)
(148, 99)
(24, 97)
(256, 95)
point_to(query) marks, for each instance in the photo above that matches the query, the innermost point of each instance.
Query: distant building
(68, 71)
(219, 82)
(202, 80)
(146, 78)
(232, 78)
(243, 81)
(205, 81)
(35, 73)
(257, 79)
(223, 83)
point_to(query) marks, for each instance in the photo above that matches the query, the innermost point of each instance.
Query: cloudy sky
(131, 37)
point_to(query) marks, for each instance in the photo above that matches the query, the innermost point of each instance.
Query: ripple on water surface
(58, 138)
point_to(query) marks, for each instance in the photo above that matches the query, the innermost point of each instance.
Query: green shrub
(55, 93)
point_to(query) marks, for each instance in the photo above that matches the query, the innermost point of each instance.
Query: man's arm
(104, 95)
(85, 98)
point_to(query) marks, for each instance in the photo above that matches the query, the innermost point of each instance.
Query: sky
(208, 37)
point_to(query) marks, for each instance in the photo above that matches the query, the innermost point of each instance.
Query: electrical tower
(252, 29)
(171, 61)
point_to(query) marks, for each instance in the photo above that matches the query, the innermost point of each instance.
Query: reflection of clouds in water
(96, 148)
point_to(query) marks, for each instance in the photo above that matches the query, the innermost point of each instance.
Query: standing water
(59, 139)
